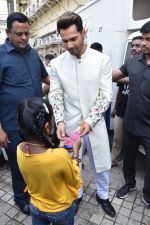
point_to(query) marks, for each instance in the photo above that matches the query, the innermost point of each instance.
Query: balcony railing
(46, 41)
(39, 6)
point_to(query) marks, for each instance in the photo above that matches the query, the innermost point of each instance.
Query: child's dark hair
(33, 113)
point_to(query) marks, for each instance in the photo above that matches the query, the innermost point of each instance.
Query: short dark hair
(16, 16)
(49, 56)
(145, 28)
(68, 19)
(97, 46)
(137, 38)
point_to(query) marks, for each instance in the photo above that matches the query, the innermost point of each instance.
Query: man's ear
(7, 32)
(85, 30)
(84, 33)
(47, 128)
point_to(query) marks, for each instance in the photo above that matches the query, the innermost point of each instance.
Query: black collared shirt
(21, 75)
(137, 117)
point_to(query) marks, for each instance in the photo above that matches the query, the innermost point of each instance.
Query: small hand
(85, 128)
(61, 131)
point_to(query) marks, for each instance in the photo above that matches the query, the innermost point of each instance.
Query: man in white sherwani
(81, 91)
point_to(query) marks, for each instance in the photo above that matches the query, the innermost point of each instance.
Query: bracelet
(76, 157)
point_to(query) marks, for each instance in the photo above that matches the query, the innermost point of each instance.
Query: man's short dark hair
(145, 28)
(137, 38)
(49, 56)
(16, 16)
(68, 19)
(97, 46)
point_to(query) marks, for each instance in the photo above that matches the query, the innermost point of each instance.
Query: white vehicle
(113, 24)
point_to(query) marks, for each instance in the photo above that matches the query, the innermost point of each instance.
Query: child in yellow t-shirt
(51, 175)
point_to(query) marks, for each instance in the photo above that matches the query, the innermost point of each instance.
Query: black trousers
(130, 147)
(20, 197)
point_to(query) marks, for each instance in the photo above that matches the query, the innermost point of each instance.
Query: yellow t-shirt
(52, 178)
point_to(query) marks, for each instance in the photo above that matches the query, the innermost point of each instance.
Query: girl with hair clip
(51, 175)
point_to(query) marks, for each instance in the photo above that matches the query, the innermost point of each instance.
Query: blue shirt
(21, 76)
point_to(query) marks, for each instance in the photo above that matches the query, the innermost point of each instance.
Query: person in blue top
(21, 76)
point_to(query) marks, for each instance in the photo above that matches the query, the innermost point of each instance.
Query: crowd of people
(47, 179)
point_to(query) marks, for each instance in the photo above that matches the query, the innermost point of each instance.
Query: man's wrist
(90, 122)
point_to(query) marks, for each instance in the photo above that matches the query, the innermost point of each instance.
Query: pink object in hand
(74, 136)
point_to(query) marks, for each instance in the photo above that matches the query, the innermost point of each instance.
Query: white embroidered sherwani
(81, 89)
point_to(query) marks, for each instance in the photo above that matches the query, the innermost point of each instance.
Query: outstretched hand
(85, 128)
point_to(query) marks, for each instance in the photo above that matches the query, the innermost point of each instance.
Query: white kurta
(81, 89)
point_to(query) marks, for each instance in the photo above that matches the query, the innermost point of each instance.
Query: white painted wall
(3, 16)
(110, 22)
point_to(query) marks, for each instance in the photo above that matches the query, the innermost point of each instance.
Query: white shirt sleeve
(103, 99)
(56, 96)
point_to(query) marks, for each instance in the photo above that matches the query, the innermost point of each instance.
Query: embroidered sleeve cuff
(89, 120)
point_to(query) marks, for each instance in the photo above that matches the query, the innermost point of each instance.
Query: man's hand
(85, 128)
(4, 141)
(45, 89)
(61, 128)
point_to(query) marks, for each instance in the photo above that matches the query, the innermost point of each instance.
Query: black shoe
(107, 207)
(146, 204)
(125, 190)
(25, 209)
(2, 160)
(77, 201)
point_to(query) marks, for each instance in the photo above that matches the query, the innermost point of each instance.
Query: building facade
(43, 15)
(7, 6)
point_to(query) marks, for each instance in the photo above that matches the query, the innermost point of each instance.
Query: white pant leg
(81, 153)
(117, 139)
(101, 179)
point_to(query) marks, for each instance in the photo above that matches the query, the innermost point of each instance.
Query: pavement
(130, 211)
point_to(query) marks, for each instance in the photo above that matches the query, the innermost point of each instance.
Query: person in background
(120, 106)
(47, 64)
(21, 75)
(52, 198)
(97, 46)
(137, 116)
(81, 90)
